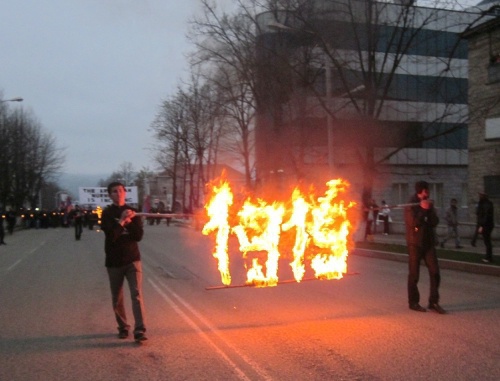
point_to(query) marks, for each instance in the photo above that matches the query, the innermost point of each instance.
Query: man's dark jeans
(416, 254)
(117, 276)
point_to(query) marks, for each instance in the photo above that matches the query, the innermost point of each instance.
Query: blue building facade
(386, 97)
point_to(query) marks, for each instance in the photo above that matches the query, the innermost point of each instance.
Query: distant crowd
(44, 219)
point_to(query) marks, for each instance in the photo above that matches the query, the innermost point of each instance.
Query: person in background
(385, 213)
(451, 217)
(375, 209)
(169, 219)
(421, 221)
(369, 217)
(2, 231)
(11, 221)
(77, 216)
(485, 224)
(123, 230)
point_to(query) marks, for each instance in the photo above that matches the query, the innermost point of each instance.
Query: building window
(492, 129)
(494, 70)
(400, 193)
(436, 191)
(464, 196)
(492, 186)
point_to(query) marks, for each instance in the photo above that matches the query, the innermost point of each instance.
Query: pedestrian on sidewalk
(485, 224)
(421, 221)
(375, 211)
(123, 230)
(385, 215)
(370, 217)
(451, 217)
(476, 234)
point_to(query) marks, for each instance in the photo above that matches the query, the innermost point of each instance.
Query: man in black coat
(123, 230)
(485, 224)
(421, 221)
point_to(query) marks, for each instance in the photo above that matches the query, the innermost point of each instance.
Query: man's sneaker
(486, 260)
(140, 337)
(417, 307)
(436, 308)
(123, 334)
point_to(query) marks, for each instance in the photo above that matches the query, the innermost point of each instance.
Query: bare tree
(29, 158)
(186, 129)
(139, 181)
(202, 112)
(173, 149)
(225, 51)
(169, 134)
(238, 110)
(125, 174)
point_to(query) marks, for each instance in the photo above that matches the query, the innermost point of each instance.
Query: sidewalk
(479, 249)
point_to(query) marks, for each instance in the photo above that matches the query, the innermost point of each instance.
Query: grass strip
(453, 255)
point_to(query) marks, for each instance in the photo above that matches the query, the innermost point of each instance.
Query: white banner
(99, 196)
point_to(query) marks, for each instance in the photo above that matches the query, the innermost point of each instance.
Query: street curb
(474, 268)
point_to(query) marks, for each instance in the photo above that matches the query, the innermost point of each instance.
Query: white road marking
(21, 259)
(212, 329)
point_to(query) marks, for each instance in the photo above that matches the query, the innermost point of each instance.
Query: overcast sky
(94, 72)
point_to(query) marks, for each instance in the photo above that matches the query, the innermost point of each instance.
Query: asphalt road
(57, 324)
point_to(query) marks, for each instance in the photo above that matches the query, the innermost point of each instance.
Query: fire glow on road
(316, 228)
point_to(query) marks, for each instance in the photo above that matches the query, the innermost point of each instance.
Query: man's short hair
(114, 184)
(420, 186)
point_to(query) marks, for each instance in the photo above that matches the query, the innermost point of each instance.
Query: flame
(98, 211)
(298, 220)
(320, 226)
(330, 230)
(259, 230)
(218, 211)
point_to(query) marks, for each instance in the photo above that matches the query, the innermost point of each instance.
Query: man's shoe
(123, 334)
(437, 308)
(458, 247)
(140, 337)
(486, 260)
(442, 245)
(417, 307)
(472, 243)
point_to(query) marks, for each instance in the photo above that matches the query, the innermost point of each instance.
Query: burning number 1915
(321, 222)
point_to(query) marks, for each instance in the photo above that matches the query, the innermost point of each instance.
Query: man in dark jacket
(123, 230)
(421, 220)
(485, 224)
(77, 216)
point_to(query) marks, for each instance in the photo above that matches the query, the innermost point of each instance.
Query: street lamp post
(16, 99)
